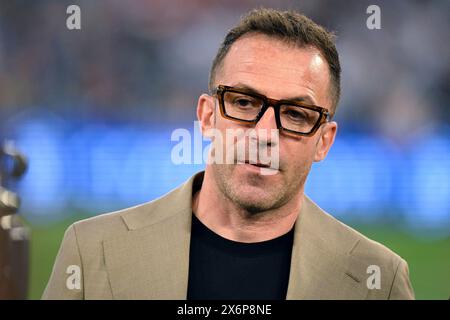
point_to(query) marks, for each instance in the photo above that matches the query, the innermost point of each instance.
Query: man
(234, 231)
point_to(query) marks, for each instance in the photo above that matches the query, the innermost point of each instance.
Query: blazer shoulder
(356, 244)
(175, 202)
(111, 224)
(364, 255)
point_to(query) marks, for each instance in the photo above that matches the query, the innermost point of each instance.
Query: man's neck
(230, 221)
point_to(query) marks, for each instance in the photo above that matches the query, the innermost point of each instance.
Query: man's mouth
(259, 168)
(256, 164)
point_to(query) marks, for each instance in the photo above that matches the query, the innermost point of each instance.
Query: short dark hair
(289, 26)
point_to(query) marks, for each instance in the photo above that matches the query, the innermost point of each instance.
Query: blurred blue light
(98, 168)
(42, 188)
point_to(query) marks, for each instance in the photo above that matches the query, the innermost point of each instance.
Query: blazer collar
(152, 260)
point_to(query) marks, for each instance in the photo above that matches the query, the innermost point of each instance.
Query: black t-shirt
(224, 269)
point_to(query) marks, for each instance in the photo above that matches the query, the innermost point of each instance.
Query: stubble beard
(272, 198)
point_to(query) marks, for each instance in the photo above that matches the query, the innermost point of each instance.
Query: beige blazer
(143, 253)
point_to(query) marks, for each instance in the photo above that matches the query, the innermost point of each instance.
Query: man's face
(279, 71)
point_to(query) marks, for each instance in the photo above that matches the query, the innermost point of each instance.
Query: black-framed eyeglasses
(295, 117)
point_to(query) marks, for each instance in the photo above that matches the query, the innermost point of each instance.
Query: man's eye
(295, 115)
(243, 102)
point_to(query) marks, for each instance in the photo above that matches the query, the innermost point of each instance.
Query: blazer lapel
(152, 260)
(321, 263)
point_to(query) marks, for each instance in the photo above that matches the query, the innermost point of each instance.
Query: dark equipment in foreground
(14, 235)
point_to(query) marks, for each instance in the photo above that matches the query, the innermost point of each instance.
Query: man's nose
(264, 127)
(267, 121)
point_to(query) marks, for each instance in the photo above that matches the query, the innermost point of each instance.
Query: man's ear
(205, 112)
(326, 139)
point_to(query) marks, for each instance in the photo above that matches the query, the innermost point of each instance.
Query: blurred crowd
(146, 61)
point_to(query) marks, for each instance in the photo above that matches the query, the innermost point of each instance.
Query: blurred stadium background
(94, 111)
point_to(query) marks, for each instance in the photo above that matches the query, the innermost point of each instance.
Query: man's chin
(248, 188)
(249, 180)
(254, 198)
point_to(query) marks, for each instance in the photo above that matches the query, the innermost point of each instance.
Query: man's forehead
(268, 62)
(267, 47)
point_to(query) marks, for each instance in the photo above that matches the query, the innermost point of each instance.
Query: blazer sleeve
(401, 286)
(66, 280)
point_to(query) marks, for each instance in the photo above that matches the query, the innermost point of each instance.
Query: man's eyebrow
(305, 99)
